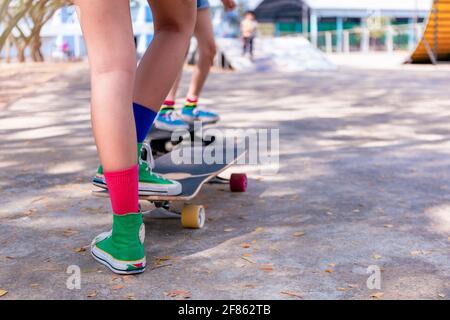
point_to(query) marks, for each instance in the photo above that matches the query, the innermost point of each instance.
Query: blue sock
(144, 118)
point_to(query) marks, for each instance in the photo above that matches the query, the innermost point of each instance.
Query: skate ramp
(285, 54)
(435, 43)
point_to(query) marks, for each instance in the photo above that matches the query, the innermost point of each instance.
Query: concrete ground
(364, 181)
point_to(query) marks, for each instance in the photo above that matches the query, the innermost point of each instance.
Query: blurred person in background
(249, 27)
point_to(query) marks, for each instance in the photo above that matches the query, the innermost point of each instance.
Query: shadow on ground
(363, 180)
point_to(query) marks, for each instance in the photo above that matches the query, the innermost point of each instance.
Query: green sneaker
(150, 183)
(122, 248)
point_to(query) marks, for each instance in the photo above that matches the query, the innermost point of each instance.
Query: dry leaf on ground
(69, 232)
(180, 294)
(247, 259)
(80, 249)
(3, 292)
(117, 287)
(267, 267)
(92, 294)
(299, 234)
(164, 258)
(246, 245)
(377, 295)
(292, 294)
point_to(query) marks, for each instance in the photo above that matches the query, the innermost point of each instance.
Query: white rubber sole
(116, 266)
(167, 127)
(192, 120)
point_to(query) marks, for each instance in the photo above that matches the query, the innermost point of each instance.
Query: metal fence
(390, 38)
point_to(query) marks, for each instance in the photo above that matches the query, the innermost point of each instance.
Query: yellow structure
(435, 43)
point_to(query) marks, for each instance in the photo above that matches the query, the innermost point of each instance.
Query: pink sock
(123, 190)
(169, 103)
(191, 100)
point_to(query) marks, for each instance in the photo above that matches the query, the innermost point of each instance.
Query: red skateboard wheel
(238, 182)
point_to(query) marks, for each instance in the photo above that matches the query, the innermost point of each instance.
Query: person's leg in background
(247, 45)
(112, 79)
(251, 47)
(173, 24)
(204, 33)
(168, 119)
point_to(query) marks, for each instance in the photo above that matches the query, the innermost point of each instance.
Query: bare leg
(112, 75)
(172, 96)
(206, 49)
(174, 24)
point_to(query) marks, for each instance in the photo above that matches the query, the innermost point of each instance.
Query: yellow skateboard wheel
(192, 216)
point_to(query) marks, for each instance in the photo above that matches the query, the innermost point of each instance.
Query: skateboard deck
(191, 176)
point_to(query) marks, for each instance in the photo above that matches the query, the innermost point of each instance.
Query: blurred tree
(23, 21)
(11, 12)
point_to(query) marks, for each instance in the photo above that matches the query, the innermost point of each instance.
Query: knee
(207, 53)
(177, 24)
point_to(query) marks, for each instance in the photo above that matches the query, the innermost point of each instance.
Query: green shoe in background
(150, 183)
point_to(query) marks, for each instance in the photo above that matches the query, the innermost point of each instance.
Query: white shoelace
(150, 160)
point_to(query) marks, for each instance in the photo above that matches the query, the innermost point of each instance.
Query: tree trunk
(35, 48)
(21, 54)
(8, 51)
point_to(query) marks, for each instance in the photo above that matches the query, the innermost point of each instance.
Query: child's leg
(207, 50)
(167, 118)
(244, 47)
(172, 96)
(109, 38)
(204, 33)
(161, 65)
(174, 24)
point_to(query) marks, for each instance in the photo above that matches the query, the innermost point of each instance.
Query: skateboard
(192, 178)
